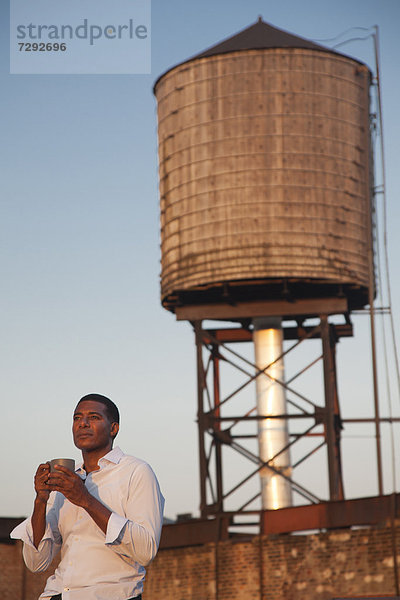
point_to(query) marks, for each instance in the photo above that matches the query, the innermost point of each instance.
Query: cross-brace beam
(216, 429)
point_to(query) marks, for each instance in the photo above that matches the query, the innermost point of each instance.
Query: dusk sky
(80, 255)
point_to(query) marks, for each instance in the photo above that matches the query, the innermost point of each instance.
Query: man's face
(91, 428)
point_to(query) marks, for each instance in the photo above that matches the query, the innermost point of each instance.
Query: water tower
(266, 226)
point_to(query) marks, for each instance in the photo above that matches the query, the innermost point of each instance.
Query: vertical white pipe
(271, 400)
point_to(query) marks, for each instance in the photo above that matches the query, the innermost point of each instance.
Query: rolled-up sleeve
(136, 534)
(37, 559)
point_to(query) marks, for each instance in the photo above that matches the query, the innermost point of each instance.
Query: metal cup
(68, 463)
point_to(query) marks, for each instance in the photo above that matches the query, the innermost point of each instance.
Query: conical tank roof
(259, 36)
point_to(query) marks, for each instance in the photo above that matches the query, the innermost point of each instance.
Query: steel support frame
(212, 348)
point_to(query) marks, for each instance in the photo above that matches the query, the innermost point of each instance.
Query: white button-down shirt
(94, 565)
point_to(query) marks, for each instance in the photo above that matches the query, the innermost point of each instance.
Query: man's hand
(70, 485)
(39, 508)
(41, 487)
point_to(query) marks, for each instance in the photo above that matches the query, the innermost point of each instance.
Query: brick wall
(287, 567)
(16, 582)
(11, 572)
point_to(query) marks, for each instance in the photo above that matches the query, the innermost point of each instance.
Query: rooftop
(260, 35)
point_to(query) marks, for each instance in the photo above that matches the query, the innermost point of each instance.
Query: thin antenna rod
(385, 241)
(371, 289)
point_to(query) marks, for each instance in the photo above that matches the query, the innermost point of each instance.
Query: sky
(80, 257)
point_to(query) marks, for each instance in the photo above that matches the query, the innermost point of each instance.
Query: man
(106, 517)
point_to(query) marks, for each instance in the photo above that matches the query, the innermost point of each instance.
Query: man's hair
(111, 409)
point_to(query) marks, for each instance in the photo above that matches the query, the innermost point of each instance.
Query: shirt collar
(114, 456)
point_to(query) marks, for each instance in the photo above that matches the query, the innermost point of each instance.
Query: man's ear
(114, 429)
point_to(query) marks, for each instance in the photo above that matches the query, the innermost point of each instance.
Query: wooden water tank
(264, 163)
